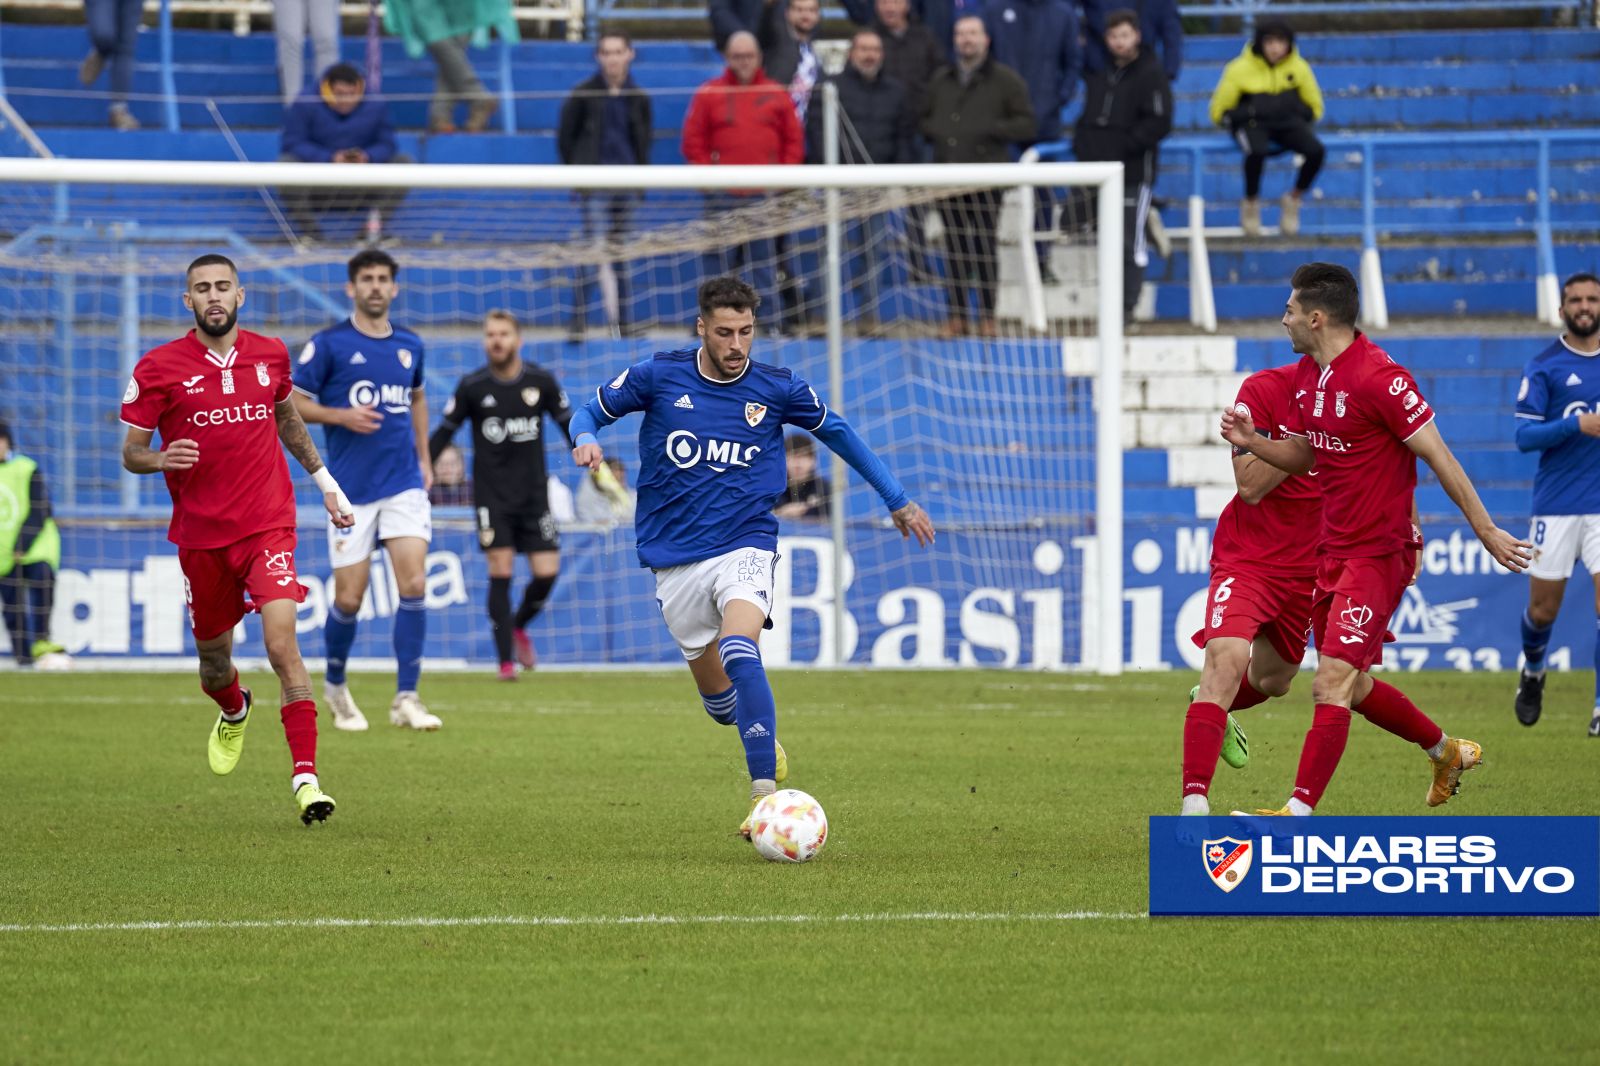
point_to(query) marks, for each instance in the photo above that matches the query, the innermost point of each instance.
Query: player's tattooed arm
(296, 437)
(139, 458)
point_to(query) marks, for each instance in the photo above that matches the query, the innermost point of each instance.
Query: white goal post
(62, 218)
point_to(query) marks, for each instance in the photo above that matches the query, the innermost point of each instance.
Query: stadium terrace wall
(1461, 615)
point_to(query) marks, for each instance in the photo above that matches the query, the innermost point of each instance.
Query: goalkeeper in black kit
(507, 402)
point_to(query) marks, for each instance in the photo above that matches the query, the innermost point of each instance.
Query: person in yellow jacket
(30, 554)
(1268, 98)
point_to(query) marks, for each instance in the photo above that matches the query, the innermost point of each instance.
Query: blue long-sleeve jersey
(711, 452)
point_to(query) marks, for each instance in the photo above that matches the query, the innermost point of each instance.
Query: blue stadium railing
(1245, 10)
(1202, 304)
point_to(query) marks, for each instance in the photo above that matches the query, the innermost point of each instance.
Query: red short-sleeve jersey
(1358, 412)
(224, 403)
(1280, 534)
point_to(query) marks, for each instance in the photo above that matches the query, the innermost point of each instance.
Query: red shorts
(1250, 605)
(1354, 601)
(222, 585)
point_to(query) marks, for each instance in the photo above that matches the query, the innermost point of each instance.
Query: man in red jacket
(744, 117)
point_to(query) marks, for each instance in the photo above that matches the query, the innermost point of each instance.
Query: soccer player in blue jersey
(1558, 415)
(362, 379)
(711, 468)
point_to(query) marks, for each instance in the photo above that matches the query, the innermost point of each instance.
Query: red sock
(300, 730)
(1388, 708)
(1202, 745)
(1319, 757)
(1247, 696)
(229, 698)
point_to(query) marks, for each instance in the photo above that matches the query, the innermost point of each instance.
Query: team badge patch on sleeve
(131, 393)
(754, 413)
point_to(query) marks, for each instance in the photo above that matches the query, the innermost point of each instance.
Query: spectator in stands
(606, 121)
(339, 124)
(911, 53)
(113, 34)
(30, 554)
(976, 111)
(1160, 31)
(598, 508)
(444, 29)
(875, 127)
(450, 485)
(787, 54)
(808, 494)
(743, 116)
(1127, 111)
(939, 16)
(290, 21)
(1269, 99)
(1039, 40)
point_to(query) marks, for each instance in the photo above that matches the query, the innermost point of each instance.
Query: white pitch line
(207, 925)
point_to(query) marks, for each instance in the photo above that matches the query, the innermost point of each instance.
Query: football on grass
(788, 826)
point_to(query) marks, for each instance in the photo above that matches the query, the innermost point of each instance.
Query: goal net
(1012, 447)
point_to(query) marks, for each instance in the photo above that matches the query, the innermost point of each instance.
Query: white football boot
(346, 715)
(407, 712)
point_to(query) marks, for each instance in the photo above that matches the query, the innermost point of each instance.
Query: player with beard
(1360, 418)
(507, 401)
(1558, 416)
(220, 398)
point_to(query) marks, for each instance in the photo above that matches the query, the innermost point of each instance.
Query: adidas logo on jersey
(684, 402)
(358, 360)
(1574, 379)
(488, 401)
(756, 730)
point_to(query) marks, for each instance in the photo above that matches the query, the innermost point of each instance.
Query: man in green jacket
(1268, 98)
(975, 111)
(30, 554)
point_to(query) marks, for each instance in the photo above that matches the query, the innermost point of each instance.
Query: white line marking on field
(207, 925)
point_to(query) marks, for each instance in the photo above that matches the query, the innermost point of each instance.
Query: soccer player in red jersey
(220, 398)
(1263, 561)
(1359, 417)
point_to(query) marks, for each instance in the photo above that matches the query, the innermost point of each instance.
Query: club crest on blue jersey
(754, 413)
(1227, 861)
(404, 355)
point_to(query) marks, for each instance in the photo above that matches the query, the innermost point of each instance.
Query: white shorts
(1560, 540)
(405, 514)
(694, 595)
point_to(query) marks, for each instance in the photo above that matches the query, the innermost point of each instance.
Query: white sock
(1196, 803)
(1438, 749)
(303, 779)
(1597, 712)
(1298, 808)
(764, 787)
(1533, 673)
(235, 716)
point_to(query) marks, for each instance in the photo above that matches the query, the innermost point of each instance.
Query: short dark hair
(1329, 288)
(1122, 16)
(798, 444)
(5, 434)
(343, 74)
(865, 31)
(621, 35)
(970, 15)
(1578, 279)
(726, 291)
(211, 259)
(371, 257)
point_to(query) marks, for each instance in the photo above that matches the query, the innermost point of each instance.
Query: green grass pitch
(978, 899)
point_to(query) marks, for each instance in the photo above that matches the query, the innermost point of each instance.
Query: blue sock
(721, 706)
(1597, 665)
(339, 633)
(410, 628)
(754, 710)
(1534, 642)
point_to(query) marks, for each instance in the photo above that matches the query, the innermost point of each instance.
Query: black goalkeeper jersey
(508, 465)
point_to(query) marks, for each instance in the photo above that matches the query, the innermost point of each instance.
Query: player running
(1359, 416)
(711, 469)
(1263, 562)
(362, 381)
(507, 402)
(1558, 411)
(220, 398)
